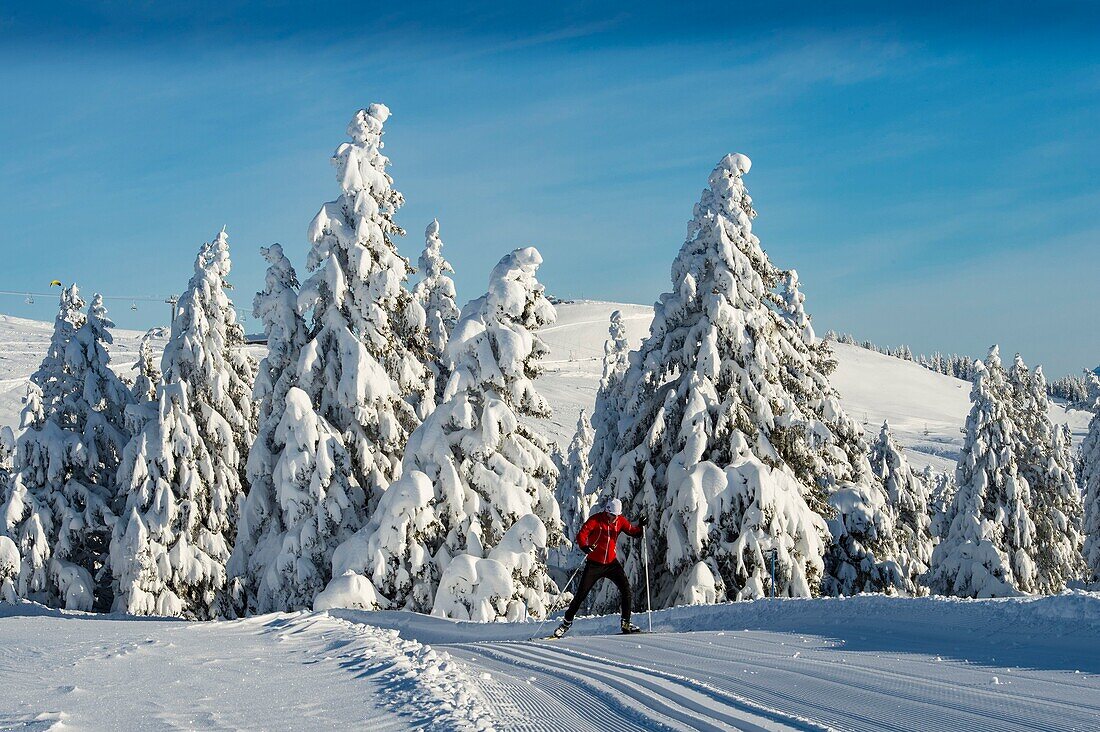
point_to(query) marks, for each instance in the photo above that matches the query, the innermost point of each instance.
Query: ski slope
(23, 343)
(865, 663)
(927, 411)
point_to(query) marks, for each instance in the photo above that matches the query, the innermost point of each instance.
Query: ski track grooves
(640, 694)
(982, 702)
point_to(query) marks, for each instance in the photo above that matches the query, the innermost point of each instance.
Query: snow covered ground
(867, 663)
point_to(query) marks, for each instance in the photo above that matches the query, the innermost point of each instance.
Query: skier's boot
(628, 627)
(562, 629)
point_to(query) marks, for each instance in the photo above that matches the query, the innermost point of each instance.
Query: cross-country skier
(597, 540)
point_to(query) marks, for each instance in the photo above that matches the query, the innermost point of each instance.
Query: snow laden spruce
(303, 499)
(1090, 484)
(363, 366)
(610, 403)
(59, 509)
(436, 294)
(1015, 524)
(1044, 460)
(148, 376)
(464, 530)
(907, 494)
(732, 438)
(574, 499)
(181, 480)
(941, 494)
(990, 543)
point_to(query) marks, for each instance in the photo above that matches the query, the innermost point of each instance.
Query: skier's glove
(586, 550)
(643, 521)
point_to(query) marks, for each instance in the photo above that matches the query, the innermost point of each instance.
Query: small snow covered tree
(1044, 461)
(10, 566)
(182, 477)
(908, 497)
(260, 526)
(733, 438)
(168, 550)
(795, 310)
(572, 493)
(609, 403)
(59, 509)
(1090, 484)
(988, 549)
(70, 317)
(363, 367)
(148, 372)
(941, 491)
(473, 471)
(7, 453)
(436, 293)
(302, 499)
(865, 543)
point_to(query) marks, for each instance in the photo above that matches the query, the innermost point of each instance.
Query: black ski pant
(593, 573)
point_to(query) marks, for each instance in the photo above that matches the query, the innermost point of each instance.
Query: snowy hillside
(23, 344)
(926, 410)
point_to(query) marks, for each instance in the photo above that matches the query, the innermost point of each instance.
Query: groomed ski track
(867, 664)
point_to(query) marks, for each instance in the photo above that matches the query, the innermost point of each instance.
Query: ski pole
(545, 620)
(645, 563)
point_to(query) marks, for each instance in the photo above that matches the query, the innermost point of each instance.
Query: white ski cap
(614, 507)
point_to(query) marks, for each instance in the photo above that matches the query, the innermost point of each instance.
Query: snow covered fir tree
(1044, 461)
(182, 476)
(609, 403)
(303, 499)
(989, 549)
(907, 494)
(734, 440)
(58, 511)
(363, 367)
(436, 294)
(148, 371)
(941, 494)
(464, 531)
(574, 498)
(1090, 485)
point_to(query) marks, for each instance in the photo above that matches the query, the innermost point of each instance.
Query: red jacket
(600, 532)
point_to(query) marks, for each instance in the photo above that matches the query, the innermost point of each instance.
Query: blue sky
(931, 173)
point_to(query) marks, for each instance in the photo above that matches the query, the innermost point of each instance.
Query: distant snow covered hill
(927, 410)
(23, 343)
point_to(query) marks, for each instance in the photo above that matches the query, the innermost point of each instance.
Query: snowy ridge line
(429, 687)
